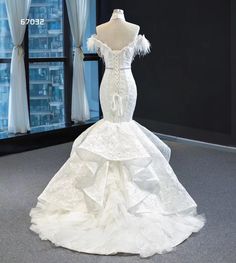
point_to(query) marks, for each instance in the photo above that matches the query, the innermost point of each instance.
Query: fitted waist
(121, 68)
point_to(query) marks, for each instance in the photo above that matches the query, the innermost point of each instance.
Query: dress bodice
(118, 88)
(119, 58)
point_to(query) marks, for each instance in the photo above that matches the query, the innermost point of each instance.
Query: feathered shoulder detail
(142, 46)
(91, 43)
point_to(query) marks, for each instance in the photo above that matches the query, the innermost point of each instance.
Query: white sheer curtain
(18, 114)
(78, 14)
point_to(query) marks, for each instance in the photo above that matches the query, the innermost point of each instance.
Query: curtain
(78, 14)
(18, 114)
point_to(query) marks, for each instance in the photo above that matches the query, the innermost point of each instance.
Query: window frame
(67, 60)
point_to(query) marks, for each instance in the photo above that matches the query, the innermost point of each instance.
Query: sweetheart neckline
(117, 50)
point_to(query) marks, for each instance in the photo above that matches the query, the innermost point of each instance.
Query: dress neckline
(117, 50)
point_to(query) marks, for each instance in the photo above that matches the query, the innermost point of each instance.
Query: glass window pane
(4, 93)
(6, 45)
(46, 93)
(91, 25)
(91, 78)
(46, 40)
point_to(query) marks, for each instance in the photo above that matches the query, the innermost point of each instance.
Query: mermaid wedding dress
(117, 191)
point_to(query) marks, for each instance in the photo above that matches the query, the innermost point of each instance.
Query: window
(46, 93)
(6, 45)
(91, 78)
(91, 67)
(46, 79)
(4, 93)
(46, 40)
(47, 61)
(5, 54)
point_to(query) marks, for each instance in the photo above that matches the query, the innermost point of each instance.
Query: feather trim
(94, 45)
(91, 43)
(142, 46)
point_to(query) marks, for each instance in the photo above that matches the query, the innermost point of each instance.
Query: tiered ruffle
(116, 193)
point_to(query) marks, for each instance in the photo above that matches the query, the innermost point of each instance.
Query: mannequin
(117, 33)
(117, 191)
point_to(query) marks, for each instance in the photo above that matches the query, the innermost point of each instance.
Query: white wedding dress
(117, 191)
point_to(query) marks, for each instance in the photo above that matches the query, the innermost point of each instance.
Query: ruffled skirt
(116, 193)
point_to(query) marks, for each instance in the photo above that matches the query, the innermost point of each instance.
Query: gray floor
(209, 175)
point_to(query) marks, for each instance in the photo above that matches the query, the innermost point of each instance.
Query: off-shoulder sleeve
(94, 45)
(142, 46)
(91, 45)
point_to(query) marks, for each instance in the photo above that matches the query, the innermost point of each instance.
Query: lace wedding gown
(117, 191)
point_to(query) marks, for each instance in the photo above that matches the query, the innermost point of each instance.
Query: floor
(208, 174)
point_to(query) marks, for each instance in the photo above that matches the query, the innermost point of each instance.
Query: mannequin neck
(118, 14)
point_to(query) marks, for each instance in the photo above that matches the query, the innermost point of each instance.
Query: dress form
(117, 32)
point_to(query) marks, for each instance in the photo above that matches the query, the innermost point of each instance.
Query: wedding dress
(117, 191)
